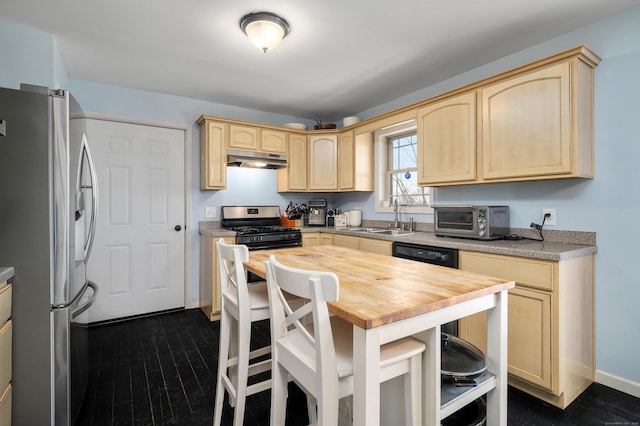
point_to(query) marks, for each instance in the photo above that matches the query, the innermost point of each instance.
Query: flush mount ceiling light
(264, 29)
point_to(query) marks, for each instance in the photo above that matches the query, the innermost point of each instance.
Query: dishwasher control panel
(427, 254)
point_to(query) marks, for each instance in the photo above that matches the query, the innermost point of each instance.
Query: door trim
(188, 142)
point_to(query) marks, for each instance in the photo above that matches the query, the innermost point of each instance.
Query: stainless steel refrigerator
(48, 203)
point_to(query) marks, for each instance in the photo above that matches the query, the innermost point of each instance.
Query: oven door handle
(273, 247)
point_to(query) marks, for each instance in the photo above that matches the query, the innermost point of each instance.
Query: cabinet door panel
(346, 241)
(323, 162)
(311, 240)
(297, 162)
(376, 246)
(447, 140)
(326, 239)
(243, 137)
(526, 125)
(209, 278)
(529, 272)
(213, 170)
(273, 141)
(529, 336)
(346, 151)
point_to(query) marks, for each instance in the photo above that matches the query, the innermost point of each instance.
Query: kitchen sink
(392, 232)
(382, 231)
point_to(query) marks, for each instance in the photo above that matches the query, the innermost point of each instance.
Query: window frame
(381, 153)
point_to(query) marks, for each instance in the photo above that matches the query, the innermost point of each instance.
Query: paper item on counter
(340, 221)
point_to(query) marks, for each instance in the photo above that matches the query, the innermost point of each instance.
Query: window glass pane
(402, 171)
(404, 187)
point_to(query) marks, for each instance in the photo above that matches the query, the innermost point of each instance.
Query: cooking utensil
(461, 359)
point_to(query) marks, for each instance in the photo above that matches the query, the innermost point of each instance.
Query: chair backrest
(233, 278)
(318, 288)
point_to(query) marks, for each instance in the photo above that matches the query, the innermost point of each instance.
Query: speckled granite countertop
(547, 250)
(6, 272)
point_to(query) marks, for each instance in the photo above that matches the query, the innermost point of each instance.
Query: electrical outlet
(210, 212)
(551, 220)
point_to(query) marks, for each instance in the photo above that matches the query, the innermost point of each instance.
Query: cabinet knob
(178, 228)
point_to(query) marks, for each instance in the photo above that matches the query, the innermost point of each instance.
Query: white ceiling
(340, 58)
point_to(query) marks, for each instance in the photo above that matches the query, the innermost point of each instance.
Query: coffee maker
(317, 211)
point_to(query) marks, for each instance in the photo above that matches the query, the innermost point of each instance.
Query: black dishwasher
(428, 254)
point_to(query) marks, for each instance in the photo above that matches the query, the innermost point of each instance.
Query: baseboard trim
(618, 383)
(134, 317)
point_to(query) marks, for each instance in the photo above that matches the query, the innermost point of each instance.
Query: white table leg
(366, 382)
(431, 378)
(497, 356)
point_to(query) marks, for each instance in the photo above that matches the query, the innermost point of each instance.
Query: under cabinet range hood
(262, 160)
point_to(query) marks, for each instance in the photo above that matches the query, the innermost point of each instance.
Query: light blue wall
(26, 57)
(605, 205)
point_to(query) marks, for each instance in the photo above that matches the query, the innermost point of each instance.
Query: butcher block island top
(387, 298)
(377, 289)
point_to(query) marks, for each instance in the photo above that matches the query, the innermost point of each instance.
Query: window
(397, 171)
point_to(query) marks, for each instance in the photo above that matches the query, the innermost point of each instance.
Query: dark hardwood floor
(161, 370)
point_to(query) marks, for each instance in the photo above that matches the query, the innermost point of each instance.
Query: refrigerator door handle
(86, 305)
(86, 152)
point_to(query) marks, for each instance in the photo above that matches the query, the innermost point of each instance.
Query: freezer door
(70, 358)
(60, 329)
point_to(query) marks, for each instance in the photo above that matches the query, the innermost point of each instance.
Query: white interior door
(138, 256)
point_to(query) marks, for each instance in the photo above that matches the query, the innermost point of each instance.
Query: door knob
(178, 228)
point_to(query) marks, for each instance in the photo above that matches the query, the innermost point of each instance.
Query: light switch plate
(210, 212)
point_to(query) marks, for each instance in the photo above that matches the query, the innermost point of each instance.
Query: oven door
(251, 277)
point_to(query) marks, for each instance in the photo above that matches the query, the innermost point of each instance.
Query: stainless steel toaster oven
(475, 222)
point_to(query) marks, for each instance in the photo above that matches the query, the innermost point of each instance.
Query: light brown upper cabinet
(253, 138)
(323, 162)
(447, 140)
(531, 123)
(355, 161)
(213, 154)
(294, 177)
(526, 127)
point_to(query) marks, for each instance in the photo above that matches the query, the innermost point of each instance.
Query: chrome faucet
(396, 223)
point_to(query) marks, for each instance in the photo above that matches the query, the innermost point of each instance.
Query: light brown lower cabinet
(326, 239)
(550, 323)
(6, 338)
(310, 239)
(5, 407)
(209, 279)
(366, 244)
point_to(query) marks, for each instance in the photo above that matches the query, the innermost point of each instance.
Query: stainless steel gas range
(258, 227)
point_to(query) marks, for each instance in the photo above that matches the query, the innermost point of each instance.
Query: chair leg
(244, 347)
(279, 379)
(413, 392)
(223, 359)
(328, 405)
(312, 409)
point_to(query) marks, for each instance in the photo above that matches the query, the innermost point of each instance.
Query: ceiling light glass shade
(264, 29)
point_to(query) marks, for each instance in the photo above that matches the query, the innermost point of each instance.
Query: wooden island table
(387, 298)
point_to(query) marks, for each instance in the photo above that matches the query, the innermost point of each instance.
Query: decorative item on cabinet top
(324, 126)
(296, 126)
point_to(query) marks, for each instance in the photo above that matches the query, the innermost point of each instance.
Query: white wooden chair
(319, 356)
(241, 304)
